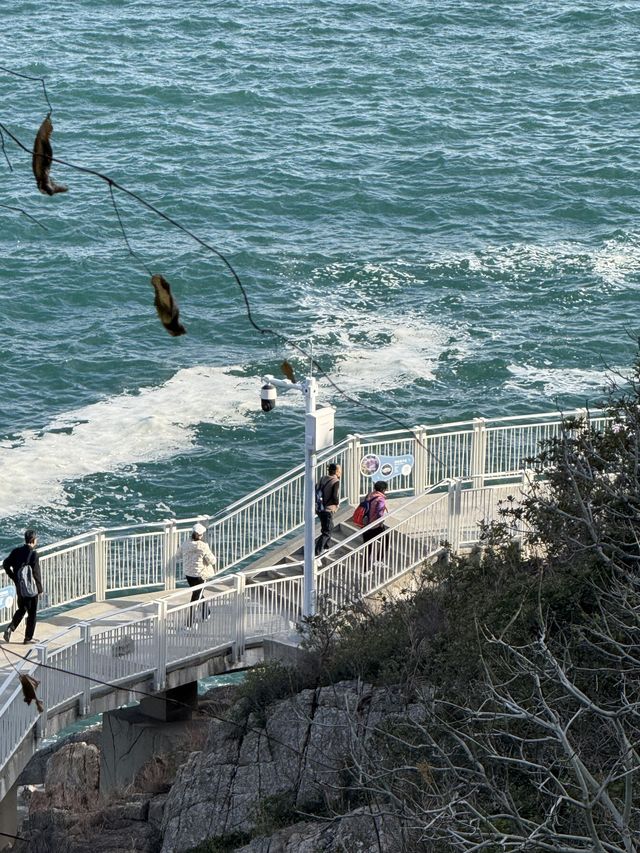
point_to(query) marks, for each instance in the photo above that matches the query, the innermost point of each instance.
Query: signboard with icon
(386, 467)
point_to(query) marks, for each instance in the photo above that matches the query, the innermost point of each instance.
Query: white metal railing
(97, 563)
(163, 633)
(147, 638)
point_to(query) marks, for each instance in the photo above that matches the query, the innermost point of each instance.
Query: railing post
(170, 547)
(584, 414)
(528, 475)
(421, 460)
(453, 520)
(42, 690)
(240, 613)
(85, 668)
(160, 679)
(353, 470)
(478, 452)
(100, 565)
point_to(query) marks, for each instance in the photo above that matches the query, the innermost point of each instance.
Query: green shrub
(275, 812)
(265, 683)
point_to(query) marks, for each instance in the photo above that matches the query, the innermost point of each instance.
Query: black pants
(195, 595)
(326, 528)
(30, 607)
(375, 550)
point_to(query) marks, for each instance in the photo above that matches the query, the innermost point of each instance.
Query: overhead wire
(262, 330)
(175, 702)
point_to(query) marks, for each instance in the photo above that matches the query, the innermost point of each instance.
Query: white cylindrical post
(453, 525)
(42, 672)
(420, 474)
(160, 680)
(478, 452)
(309, 388)
(170, 546)
(85, 668)
(352, 474)
(240, 615)
(100, 565)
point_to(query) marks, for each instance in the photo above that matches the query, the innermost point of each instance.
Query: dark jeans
(326, 528)
(375, 550)
(195, 595)
(30, 607)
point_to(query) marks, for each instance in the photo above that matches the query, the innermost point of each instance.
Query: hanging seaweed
(29, 687)
(42, 159)
(167, 307)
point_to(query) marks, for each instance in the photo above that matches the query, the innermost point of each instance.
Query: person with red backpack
(377, 502)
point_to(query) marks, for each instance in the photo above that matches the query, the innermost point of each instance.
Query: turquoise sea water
(441, 198)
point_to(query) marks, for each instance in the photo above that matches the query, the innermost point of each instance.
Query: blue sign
(386, 467)
(7, 595)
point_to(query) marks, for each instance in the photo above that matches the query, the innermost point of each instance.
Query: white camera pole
(309, 388)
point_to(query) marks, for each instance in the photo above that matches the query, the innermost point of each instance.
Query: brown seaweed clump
(167, 307)
(42, 158)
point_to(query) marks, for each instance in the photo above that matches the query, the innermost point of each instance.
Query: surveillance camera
(268, 396)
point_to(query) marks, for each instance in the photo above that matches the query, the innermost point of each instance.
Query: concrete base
(9, 817)
(172, 705)
(285, 649)
(131, 737)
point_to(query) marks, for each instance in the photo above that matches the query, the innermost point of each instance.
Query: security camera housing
(268, 397)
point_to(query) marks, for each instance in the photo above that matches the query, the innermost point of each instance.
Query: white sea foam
(555, 381)
(408, 350)
(616, 261)
(382, 350)
(148, 426)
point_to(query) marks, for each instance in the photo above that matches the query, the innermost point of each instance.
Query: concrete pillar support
(9, 817)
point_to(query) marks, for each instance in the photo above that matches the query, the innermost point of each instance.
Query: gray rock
(72, 778)
(156, 810)
(302, 752)
(33, 773)
(357, 832)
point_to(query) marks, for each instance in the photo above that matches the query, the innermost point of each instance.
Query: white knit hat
(198, 528)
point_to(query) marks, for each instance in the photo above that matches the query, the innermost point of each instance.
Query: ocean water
(440, 199)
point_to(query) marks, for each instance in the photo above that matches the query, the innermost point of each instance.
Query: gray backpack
(26, 584)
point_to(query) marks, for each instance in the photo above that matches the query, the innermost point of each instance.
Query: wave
(536, 382)
(154, 424)
(380, 348)
(614, 262)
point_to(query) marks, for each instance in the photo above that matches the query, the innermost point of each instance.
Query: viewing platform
(114, 619)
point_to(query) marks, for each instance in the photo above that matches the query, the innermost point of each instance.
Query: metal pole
(309, 388)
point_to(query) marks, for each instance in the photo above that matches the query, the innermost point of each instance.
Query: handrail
(288, 475)
(391, 515)
(168, 635)
(130, 557)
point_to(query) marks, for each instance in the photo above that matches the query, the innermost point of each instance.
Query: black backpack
(319, 498)
(25, 581)
(320, 492)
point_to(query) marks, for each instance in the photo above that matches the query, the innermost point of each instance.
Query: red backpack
(361, 515)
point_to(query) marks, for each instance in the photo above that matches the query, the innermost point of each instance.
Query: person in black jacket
(329, 487)
(29, 605)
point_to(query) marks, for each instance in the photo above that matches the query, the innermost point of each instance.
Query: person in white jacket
(198, 562)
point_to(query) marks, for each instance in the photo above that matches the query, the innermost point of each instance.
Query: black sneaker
(30, 642)
(7, 634)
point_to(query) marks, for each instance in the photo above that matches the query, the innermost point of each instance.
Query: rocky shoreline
(275, 784)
